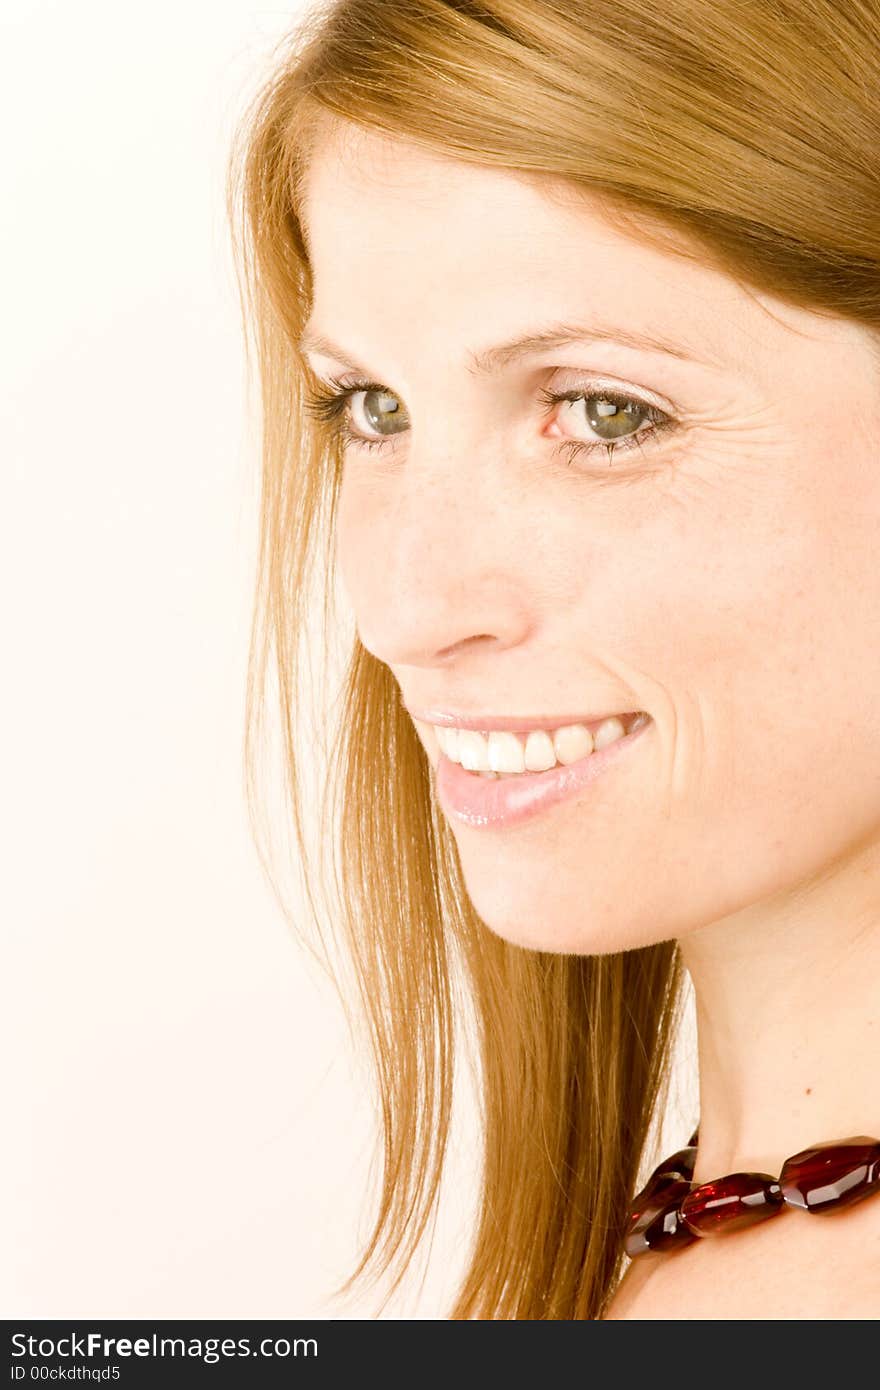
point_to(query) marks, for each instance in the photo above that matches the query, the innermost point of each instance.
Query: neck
(788, 1022)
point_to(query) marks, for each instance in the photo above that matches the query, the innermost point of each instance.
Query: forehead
(373, 199)
(405, 241)
(381, 201)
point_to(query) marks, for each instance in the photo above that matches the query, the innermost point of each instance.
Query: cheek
(359, 538)
(763, 769)
(765, 655)
(761, 592)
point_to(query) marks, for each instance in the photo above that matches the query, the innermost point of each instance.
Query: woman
(568, 322)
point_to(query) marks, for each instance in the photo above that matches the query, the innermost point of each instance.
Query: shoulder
(812, 1266)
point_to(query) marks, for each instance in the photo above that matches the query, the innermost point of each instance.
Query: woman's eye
(377, 412)
(366, 415)
(350, 419)
(608, 420)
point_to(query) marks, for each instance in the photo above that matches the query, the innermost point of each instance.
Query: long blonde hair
(741, 132)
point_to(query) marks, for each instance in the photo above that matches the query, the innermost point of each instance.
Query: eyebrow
(492, 360)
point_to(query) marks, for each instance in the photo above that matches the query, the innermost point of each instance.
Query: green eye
(333, 408)
(382, 411)
(611, 418)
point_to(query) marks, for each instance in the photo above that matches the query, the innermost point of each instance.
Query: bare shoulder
(811, 1267)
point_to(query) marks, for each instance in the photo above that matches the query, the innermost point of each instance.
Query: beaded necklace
(672, 1211)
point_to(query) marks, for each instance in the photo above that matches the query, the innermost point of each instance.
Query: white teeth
(609, 731)
(572, 742)
(540, 753)
(500, 753)
(473, 752)
(448, 740)
(505, 753)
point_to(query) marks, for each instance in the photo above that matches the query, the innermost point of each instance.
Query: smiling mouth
(497, 754)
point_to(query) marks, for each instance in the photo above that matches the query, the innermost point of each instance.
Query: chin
(542, 908)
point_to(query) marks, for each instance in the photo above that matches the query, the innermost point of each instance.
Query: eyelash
(331, 407)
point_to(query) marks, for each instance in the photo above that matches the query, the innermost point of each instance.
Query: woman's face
(720, 576)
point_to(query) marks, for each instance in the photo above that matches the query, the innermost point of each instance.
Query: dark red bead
(740, 1199)
(677, 1165)
(667, 1231)
(665, 1187)
(681, 1162)
(832, 1175)
(654, 1223)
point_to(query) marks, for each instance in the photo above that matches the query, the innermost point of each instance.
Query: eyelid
(598, 381)
(581, 379)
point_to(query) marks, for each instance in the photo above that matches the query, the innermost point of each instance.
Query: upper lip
(509, 722)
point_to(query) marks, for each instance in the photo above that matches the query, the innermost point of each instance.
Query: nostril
(446, 652)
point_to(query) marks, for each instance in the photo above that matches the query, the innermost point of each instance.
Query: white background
(188, 1132)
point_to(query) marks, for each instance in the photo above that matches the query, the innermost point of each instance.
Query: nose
(437, 565)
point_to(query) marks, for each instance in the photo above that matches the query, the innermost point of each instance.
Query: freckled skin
(722, 578)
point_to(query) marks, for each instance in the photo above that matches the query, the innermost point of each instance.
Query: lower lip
(503, 801)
